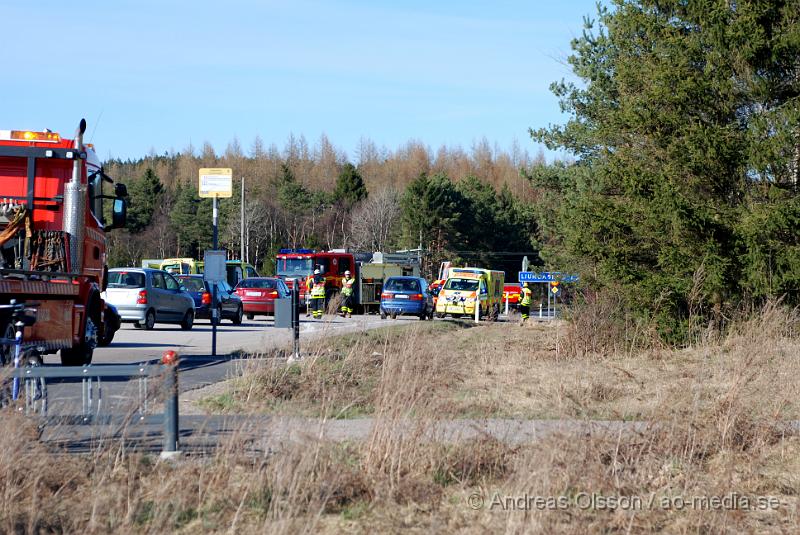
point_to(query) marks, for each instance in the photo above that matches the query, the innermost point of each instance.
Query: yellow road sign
(216, 182)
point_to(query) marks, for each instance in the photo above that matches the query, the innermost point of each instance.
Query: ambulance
(465, 287)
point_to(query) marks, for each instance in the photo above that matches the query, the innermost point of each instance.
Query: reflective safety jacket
(318, 291)
(526, 297)
(347, 287)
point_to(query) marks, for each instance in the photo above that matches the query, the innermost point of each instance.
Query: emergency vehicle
(236, 270)
(467, 286)
(369, 269)
(52, 240)
(297, 264)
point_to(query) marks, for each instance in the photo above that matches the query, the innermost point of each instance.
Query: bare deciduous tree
(374, 221)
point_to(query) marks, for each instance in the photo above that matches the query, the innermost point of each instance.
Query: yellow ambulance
(465, 286)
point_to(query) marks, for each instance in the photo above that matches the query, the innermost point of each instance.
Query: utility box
(283, 313)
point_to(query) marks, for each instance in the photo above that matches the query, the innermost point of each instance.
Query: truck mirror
(120, 190)
(119, 214)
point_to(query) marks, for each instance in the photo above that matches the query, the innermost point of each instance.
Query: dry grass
(718, 428)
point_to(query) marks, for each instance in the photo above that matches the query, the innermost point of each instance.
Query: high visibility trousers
(525, 310)
(347, 304)
(318, 306)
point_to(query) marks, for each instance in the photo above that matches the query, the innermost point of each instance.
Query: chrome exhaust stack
(75, 204)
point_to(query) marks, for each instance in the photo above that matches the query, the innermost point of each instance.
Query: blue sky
(157, 75)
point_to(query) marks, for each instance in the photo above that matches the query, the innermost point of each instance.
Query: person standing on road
(309, 282)
(347, 295)
(318, 295)
(525, 302)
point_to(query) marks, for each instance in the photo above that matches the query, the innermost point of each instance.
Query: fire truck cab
(52, 239)
(297, 264)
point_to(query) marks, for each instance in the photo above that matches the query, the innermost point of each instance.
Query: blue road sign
(546, 276)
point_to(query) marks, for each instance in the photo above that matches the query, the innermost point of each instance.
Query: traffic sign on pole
(546, 276)
(216, 182)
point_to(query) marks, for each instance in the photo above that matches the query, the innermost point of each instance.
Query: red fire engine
(52, 240)
(297, 264)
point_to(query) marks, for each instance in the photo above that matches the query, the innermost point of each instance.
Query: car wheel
(149, 320)
(394, 315)
(383, 315)
(251, 316)
(237, 318)
(105, 340)
(188, 321)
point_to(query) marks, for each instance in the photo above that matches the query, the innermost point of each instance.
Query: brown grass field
(717, 450)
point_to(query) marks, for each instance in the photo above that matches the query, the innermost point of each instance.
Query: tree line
(680, 196)
(318, 199)
(685, 127)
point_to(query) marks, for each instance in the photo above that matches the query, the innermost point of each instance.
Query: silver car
(145, 296)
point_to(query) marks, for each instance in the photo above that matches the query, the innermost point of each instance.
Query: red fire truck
(297, 264)
(52, 240)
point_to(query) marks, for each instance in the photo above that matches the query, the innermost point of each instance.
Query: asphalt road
(121, 397)
(198, 367)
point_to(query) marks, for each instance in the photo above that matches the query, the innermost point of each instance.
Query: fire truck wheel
(188, 321)
(251, 317)
(82, 354)
(7, 351)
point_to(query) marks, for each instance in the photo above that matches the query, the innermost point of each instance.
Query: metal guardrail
(35, 395)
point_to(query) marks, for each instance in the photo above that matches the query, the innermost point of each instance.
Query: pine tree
(350, 186)
(143, 198)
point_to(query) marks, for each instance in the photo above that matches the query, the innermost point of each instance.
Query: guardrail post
(170, 361)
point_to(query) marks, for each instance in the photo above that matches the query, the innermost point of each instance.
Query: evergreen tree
(350, 186)
(144, 196)
(663, 126)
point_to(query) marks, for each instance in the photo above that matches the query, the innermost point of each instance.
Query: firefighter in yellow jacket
(347, 295)
(309, 282)
(318, 295)
(525, 302)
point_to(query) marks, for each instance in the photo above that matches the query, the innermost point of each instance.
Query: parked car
(111, 324)
(230, 304)
(258, 294)
(406, 295)
(148, 296)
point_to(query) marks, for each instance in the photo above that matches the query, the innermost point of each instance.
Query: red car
(258, 294)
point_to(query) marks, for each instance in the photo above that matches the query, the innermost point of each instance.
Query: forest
(472, 207)
(677, 197)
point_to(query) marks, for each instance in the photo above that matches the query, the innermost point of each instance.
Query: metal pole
(170, 408)
(296, 319)
(506, 303)
(214, 318)
(547, 287)
(242, 256)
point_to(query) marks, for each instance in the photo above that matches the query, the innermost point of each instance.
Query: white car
(147, 296)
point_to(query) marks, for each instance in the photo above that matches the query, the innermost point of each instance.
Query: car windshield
(177, 269)
(269, 284)
(402, 285)
(125, 279)
(294, 267)
(193, 284)
(465, 285)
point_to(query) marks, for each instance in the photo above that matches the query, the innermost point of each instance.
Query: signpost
(215, 183)
(553, 279)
